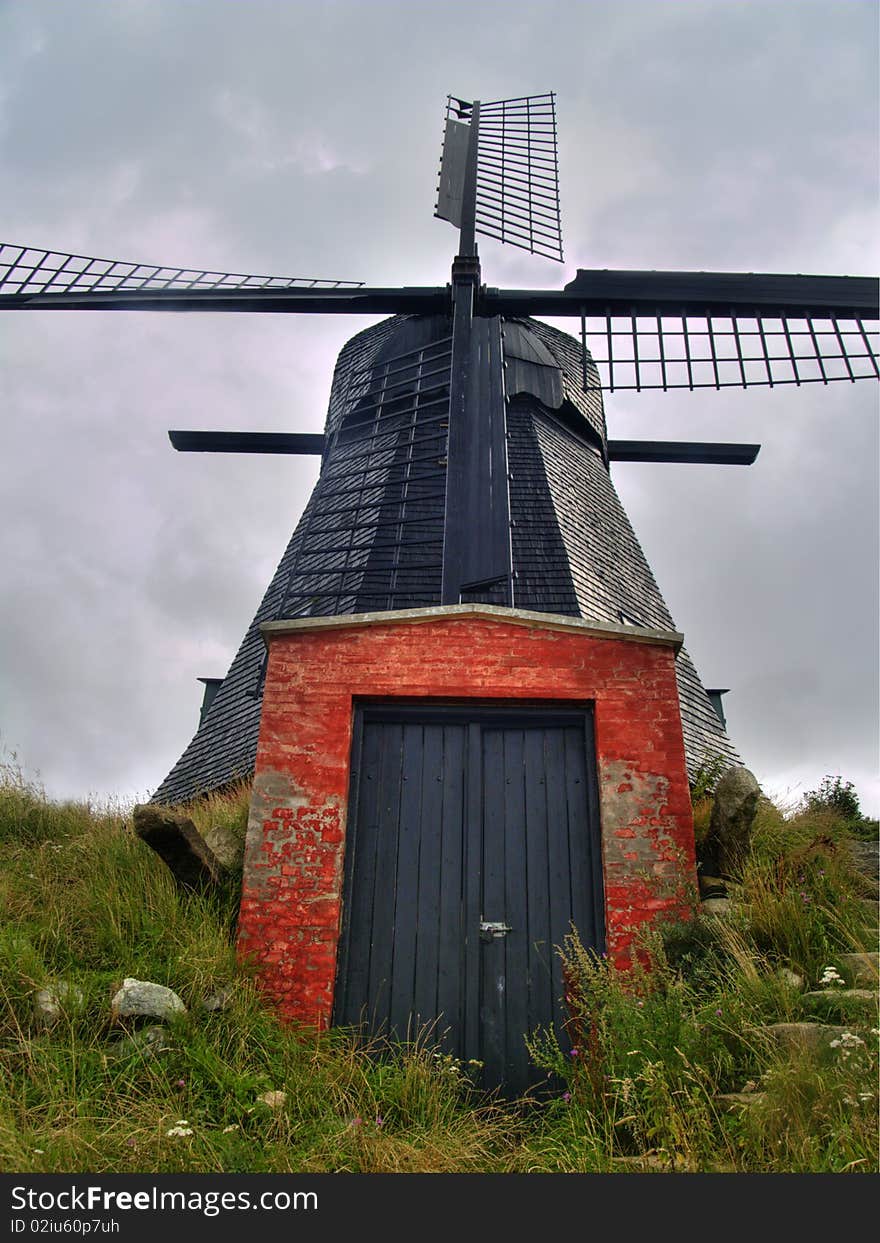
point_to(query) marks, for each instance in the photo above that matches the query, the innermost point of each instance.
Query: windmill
(465, 464)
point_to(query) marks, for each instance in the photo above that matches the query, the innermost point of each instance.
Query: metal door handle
(491, 931)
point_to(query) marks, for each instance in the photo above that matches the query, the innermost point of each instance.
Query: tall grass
(86, 903)
(674, 1064)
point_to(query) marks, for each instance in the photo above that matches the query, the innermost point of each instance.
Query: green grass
(84, 901)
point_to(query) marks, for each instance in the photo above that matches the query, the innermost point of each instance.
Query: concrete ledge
(490, 612)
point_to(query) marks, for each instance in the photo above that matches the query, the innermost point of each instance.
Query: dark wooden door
(472, 846)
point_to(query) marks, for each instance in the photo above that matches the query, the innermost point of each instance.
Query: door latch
(492, 931)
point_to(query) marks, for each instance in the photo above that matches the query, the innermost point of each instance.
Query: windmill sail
(28, 271)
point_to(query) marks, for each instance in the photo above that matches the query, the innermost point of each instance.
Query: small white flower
(181, 1128)
(830, 976)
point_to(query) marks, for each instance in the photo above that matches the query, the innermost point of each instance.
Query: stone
(861, 969)
(219, 999)
(844, 994)
(56, 1000)
(807, 1036)
(717, 906)
(712, 886)
(140, 998)
(226, 846)
(148, 1043)
(790, 978)
(178, 843)
(731, 1102)
(730, 826)
(275, 1100)
(654, 1163)
(865, 858)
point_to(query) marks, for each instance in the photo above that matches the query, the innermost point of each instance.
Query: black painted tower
(531, 518)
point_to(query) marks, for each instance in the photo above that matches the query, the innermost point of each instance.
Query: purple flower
(718, 1012)
(566, 1096)
(181, 1083)
(379, 1120)
(573, 1052)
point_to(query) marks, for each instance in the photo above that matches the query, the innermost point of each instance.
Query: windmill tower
(466, 707)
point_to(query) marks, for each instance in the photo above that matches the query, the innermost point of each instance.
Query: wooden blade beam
(247, 442)
(604, 292)
(408, 300)
(682, 451)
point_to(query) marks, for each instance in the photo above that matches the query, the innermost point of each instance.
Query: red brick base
(292, 897)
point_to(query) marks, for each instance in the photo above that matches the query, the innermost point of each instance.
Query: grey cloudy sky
(296, 138)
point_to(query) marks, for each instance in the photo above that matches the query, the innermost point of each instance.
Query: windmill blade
(247, 442)
(511, 189)
(702, 452)
(674, 330)
(286, 297)
(36, 279)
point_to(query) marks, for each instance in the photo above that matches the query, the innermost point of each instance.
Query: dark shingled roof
(370, 537)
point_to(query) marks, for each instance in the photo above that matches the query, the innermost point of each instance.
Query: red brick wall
(291, 903)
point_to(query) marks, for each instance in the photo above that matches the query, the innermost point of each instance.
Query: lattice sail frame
(517, 170)
(666, 352)
(29, 270)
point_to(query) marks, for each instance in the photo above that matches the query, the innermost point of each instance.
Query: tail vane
(516, 188)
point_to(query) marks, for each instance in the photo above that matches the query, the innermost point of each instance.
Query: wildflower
(357, 1122)
(719, 1013)
(566, 1096)
(830, 976)
(181, 1127)
(850, 1040)
(181, 1083)
(131, 1141)
(846, 1043)
(573, 1052)
(379, 1120)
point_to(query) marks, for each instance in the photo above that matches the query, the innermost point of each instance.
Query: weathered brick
(291, 907)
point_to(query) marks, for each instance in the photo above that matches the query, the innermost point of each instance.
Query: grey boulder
(140, 998)
(730, 825)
